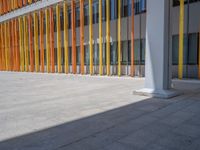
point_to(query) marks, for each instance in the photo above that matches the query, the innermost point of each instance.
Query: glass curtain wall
(191, 44)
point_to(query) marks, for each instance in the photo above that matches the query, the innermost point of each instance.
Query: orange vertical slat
(20, 2)
(73, 22)
(82, 35)
(6, 46)
(17, 46)
(14, 45)
(16, 4)
(1, 61)
(11, 45)
(0, 51)
(42, 40)
(52, 40)
(3, 6)
(13, 4)
(6, 6)
(30, 29)
(10, 7)
(24, 2)
(3, 47)
(132, 41)
(0, 7)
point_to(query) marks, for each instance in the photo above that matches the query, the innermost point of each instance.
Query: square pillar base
(165, 94)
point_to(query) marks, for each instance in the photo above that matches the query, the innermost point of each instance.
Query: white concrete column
(157, 64)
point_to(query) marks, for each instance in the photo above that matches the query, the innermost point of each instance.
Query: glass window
(103, 10)
(70, 56)
(137, 52)
(54, 20)
(143, 44)
(140, 6)
(78, 17)
(96, 54)
(45, 57)
(62, 56)
(78, 55)
(177, 2)
(69, 18)
(95, 8)
(55, 55)
(44, 25)
(124, 9)
(124, 52)
(86, 14)
(113, 9)
(87, 55)
(104, 53)
(193, 49)
(129, 7)
(129, 52)
(190, 53)
(61, 20)
(113, 53)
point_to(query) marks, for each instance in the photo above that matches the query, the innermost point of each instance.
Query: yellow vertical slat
(47, 40)
(65, 11)
(41, 28)
(181, 40)
(37, 67)
(91, 36)
(29, 1)
(58, 39)
(119, 37)
(26, 44)
(21, 29)
(100, 39)
(108, 36)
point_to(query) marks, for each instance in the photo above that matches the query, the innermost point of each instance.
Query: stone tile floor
(68, 112)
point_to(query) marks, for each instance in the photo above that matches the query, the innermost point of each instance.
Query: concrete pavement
(68, 112)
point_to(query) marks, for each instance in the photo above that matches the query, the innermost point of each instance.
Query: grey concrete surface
(68, 112)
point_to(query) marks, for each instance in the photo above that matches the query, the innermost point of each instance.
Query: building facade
(103, 37)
